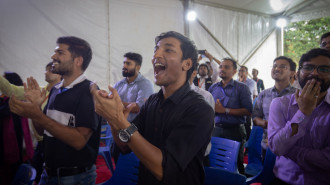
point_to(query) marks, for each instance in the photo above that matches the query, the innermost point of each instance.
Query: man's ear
(187, 64)
(137, 68)
(79, 61)
(235, 71)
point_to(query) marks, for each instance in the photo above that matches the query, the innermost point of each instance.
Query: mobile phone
(202, 52)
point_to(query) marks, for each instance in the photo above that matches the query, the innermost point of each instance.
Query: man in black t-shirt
(173, 128)
(69, 124)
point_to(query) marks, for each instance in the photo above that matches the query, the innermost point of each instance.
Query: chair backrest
(254, 153)
(266, 176)
(217, 176)
(105, 146)
(127, 170)
(25, 175)
(224, 154)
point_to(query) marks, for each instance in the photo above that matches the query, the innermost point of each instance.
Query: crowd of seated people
(170, 131)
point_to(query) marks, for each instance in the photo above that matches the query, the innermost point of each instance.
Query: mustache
(316, 78)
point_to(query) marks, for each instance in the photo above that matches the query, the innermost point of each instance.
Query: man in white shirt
(243, 77)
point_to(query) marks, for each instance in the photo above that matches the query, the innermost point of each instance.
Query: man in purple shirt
(299, 125)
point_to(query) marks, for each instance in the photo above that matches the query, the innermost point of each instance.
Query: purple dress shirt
(305, 157)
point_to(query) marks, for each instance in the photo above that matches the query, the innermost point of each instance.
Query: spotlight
(191, 15)
(281, 22)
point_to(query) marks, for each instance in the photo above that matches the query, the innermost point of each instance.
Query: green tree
(300, 37)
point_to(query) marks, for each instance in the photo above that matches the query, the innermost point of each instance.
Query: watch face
(123, 136)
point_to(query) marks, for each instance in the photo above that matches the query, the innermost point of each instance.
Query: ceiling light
(281, 22)
(191, 15)
(276, 4)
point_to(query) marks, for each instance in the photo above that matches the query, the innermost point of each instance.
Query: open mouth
(158, 67)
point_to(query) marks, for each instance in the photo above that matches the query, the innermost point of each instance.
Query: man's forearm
(150, 156)
(10, 89)
(239, 112)
(260, 122)
(75, 137)
(309, 159)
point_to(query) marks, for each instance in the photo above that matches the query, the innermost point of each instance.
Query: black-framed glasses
(324, 43)
(324, 70)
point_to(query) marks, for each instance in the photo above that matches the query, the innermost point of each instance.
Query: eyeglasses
(283, 66)
(324, 70)
(324, 43)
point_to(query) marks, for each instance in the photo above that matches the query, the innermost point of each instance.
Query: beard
(324, 86)
(128, 73)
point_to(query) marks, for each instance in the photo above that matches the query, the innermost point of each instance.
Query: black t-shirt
(181, 127)
(73, 108)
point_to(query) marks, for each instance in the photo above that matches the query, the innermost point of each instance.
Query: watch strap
(131, 129)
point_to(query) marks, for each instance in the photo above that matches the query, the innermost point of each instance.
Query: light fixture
(191, 15)
(281, 22)
(276, 4)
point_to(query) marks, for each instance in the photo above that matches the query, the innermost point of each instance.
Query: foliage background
(300, 37)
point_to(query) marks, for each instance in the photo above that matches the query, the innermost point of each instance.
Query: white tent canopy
(29, 30)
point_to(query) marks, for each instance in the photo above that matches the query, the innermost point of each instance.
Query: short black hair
(256, 70)
(313, 53)
(187, 46)
(205, 65)
(293, 65)
(325, 35)
(245, 68)
(78, 47)
(232, 61)
(14, 78)
(134, 56)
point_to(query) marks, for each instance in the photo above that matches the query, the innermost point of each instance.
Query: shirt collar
(231, 82)
(178, 95)
(139, 76)
(79, 79)
(285, 89)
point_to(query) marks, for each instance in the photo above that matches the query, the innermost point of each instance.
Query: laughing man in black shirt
(172, 131)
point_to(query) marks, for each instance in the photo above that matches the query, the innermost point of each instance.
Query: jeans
(87, 178)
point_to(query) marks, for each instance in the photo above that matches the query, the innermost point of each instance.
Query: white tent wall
(29, 30)
(134, 26)
(239, 33)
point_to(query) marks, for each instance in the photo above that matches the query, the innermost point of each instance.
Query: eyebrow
(169, 44)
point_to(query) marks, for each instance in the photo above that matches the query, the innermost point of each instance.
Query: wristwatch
(227, 110)
(125, 134)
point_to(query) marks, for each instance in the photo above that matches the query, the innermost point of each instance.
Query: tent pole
(186, 23)
(215, 39)
(255, 49)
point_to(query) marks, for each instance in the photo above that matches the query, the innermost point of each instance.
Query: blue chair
(224, 154)
(217, 176)
(254, 153)
(25, 175)
(127, 170)
(105, 145)
(266, 176)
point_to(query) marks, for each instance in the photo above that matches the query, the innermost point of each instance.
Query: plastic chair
(224, 154)
(266, 176)
(254, 153)
(217, 176)
(25, 175)
(127, 170)
(105, 145)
